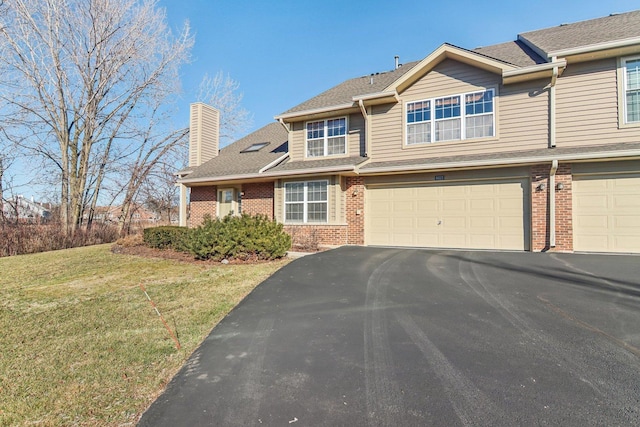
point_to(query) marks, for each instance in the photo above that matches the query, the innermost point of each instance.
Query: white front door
(226, 202)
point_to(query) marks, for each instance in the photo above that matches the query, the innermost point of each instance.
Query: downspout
(284, 125)
(552, 106)
(363, 110)
(552, 203)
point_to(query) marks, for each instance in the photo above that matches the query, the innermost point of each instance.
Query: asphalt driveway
(401, 337)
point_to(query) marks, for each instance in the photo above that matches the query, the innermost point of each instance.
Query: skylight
(255, 147)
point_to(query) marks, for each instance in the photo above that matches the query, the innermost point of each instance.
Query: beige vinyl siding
(355, 138)
(521, 121)
(587, 106)
(203, 135)
(335, 198)
(297, 141)
(448, 78)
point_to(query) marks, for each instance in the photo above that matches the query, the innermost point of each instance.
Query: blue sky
(287, 51)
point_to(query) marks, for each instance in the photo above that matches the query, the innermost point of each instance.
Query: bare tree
(222, 92)
(79, 76)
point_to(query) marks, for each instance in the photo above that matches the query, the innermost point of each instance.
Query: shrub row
(165, 237)
(238, 237)
(18, 239)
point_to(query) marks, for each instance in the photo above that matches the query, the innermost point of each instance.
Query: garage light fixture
(559, 186)
(542, 186)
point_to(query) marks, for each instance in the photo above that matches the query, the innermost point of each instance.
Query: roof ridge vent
(564, 24)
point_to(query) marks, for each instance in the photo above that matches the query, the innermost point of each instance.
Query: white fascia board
(515, 161)
(279, 174)
(535, 68)
(391, 93)
(314, 111)
(595, 47)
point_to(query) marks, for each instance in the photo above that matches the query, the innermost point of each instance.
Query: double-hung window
(306, 201)
(632, 90)
(327, 137)
(446, 119)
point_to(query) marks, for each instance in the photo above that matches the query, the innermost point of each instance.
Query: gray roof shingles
(320, 163)
(344, 92)
(515, 53)
(232, 161)
(585, 33)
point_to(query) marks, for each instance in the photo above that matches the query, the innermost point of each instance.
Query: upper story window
(305, 201)
(327, 137)
(446, 119)
(632, 89)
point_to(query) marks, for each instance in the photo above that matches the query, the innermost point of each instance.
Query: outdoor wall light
(542, 186)
(559, 186)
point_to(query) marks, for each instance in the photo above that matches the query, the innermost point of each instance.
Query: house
(107, 214)
(21, 209)
(532, 145)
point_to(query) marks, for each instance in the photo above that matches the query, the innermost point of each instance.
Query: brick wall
(202, 202)
(258, 198)
(355, 210)
(540, 209)
(309, 237)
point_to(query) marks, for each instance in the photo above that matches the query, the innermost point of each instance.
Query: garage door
(483, 215)
(606, 213)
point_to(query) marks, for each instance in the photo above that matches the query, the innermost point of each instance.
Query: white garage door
(606, 213)
(483, 215)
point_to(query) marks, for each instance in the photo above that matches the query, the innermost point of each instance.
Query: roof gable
(448, 51)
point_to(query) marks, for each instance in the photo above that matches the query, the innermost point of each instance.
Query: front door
(225, 202)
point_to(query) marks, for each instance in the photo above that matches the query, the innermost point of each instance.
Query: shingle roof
(610, 28)
(344, 92)
(320, 163)
(231, 161)
(515, 53)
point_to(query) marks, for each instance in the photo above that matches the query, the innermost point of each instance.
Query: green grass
(80, 343)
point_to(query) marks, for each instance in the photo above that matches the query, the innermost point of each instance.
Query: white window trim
(462, 117)
(623, 95)
(305, 202)
(326, 138)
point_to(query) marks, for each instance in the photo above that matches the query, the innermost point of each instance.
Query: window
(327, 137)
(255, 147)
(305, 201)
(448, 120)
(632, 90)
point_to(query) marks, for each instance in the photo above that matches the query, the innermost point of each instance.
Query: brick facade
(355, 210)
(310, 237)
(540, 226)
(257, 198)
(202, 202)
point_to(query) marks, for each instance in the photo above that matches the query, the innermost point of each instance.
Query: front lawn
(80, 343)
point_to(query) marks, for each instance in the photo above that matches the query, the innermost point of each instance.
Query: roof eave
(533, 72)
(611, 45)
(315, 112)
(505, 162)
(273, 174)
(377, 98)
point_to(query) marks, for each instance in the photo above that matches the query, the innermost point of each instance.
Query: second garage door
(606, 213)
(479, 215)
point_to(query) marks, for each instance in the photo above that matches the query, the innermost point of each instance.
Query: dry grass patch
(82, 346)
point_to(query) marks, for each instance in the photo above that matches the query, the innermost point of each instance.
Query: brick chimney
(204, 133)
